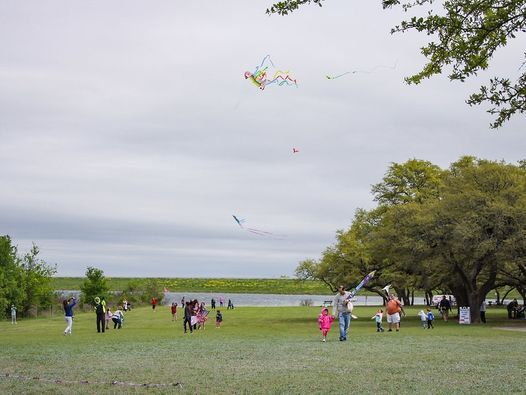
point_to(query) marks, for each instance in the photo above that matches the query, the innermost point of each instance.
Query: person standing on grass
(221, 301)
(445, 307)
(219, 319)
(423, 318)
(213, 304)
(394, 307)
(100, 311)
(154, 303)
(325, 322)
(202, 316)
(430, 318)
(483, 311)
(13, 314)
(341, 308)
(68, 314)
(378, 319)
(174, 311)
(188, 317)
(109, 316)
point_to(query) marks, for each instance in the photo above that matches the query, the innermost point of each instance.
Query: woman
(68, 312)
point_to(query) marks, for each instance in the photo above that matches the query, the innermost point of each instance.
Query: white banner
(464, 317)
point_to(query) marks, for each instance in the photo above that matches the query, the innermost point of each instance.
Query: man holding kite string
(342, 306)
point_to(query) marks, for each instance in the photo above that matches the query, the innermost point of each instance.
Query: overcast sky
(129, 136)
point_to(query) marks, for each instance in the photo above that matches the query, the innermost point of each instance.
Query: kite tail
(259, 232)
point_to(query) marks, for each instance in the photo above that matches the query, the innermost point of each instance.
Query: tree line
(460, 231)
(25, 280)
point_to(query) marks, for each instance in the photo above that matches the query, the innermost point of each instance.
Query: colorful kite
(295, 150)
(252, 230)
(365, 280)
(260, 77)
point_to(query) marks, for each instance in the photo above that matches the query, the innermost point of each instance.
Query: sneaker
(323, 340)
(390, 330)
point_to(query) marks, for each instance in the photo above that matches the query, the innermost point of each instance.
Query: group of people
(195, 314)
(514, 310)
(230, 305)
(342, 310)
(103, 314)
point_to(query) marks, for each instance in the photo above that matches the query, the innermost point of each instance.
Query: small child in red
(325, 320)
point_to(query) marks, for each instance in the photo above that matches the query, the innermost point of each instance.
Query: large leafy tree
(94, 285)
(36, 281)
(349, 259)
(24, 281)
(465, 36)
(465, 235)
(10, 275)
(470, 233)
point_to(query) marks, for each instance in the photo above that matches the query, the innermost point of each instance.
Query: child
(378, 318)
(423, 318)
(109, 316)
(325, 321)
(219, 319)
(202, 316)
(174, 311)
(430, 318)
(13, 314)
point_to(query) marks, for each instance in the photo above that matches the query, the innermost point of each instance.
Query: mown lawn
(260, 350)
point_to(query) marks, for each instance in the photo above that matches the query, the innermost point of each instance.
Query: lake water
(270, 299)
(239, 299)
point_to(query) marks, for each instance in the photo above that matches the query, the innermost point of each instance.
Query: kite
(295, 150)
(251, 230)
(386, 289)
(369, 71)
(260, 76)
(365, 280)
(339, 75)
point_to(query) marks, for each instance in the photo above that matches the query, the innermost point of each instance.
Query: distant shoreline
(209, 285)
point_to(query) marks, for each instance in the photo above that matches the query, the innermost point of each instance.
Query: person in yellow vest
(100, 310)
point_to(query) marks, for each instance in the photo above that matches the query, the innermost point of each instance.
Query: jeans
(117, 323)
(344, 320)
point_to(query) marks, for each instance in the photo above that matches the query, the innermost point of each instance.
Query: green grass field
(227, 285)
(261, 351)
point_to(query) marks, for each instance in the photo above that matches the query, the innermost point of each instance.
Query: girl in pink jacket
(325, 320)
